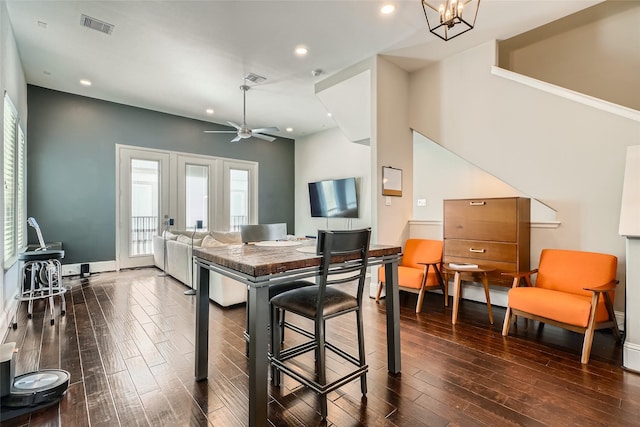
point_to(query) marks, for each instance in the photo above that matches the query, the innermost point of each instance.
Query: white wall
(578, 52)
(567, 155)
(13, 82)
(329, 155)
(457, 179)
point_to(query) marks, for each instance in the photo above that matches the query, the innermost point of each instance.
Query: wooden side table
(472, 271)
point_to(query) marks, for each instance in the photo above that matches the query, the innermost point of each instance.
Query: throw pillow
(187, 239)
(170, 236)
(229, 237)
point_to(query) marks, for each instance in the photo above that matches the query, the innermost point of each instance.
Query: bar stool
(344, 260)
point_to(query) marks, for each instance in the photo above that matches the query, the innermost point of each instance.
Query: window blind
(21, 192)
(10, 138)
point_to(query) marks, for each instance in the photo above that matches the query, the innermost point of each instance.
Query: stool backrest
(344, 259)
(263, 232)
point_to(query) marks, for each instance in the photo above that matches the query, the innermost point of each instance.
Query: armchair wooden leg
(588, 334)
(612, 315)
(420, 300)
(380, 286)
(507, 322)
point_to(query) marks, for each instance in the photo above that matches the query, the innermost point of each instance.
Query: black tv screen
(334, 198)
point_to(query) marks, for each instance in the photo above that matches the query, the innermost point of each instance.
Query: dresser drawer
(481, 250)
(482, 219)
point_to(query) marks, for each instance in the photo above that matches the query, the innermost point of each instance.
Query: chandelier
(450, 18)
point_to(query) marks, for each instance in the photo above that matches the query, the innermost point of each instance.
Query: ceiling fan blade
(219, 131)
(261, 136)
(234, 125)
(266, 130)
(236, 139)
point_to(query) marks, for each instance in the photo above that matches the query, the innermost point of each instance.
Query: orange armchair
(574, 290)
(419, 270)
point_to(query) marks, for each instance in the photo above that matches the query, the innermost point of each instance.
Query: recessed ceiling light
(85, 82)
(209, 111)
(289, 129)
(387, 9)
(329, 114)
(301, 50)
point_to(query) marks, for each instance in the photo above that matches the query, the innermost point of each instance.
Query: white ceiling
(182, 57)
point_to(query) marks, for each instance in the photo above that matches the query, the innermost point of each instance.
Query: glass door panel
(238, 198)
(197, 196)
(144, 206)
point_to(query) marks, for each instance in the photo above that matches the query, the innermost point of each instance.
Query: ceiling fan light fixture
(450, 18)
(388, 9)
(243, 131)
(301, 50)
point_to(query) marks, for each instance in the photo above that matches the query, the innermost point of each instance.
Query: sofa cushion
(170, 236)
(228, 237)
(210, 242)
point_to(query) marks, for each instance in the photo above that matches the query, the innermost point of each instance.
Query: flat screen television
(335, 198)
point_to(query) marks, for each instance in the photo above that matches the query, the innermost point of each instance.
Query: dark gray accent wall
(71, 170)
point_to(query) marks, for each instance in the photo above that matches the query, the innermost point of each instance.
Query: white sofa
(179, 262)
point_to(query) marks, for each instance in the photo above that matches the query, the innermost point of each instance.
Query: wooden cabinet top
(491, 219)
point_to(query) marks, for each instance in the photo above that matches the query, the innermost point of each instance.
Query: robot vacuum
(28, 392)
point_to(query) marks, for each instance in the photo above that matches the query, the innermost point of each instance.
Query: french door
(143, 202)
(203, 192)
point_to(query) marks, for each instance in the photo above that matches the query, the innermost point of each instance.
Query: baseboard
(94, 267)
(631, 356)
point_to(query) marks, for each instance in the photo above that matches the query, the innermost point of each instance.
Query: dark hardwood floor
(127, 340)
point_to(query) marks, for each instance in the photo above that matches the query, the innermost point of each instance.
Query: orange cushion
(571, 271)
(411, 277)
(560, 306)
(421, 250)
(410, 271)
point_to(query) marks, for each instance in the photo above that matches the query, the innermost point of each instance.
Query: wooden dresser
(490, 232)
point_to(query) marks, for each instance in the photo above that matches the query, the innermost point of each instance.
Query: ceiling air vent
(96, 24)
(254, 78)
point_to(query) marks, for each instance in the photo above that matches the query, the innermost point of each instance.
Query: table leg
(202, 323)
(485, 283)
(456, 297)
(258, 362)
(393, 316)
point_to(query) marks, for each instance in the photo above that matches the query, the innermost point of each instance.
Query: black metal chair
(344, 260)
(263, 232)
(253, 233)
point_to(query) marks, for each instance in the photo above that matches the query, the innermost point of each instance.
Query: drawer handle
(477, 203)
(478, 251)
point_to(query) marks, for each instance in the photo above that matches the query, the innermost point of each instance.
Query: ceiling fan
(243, 132)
